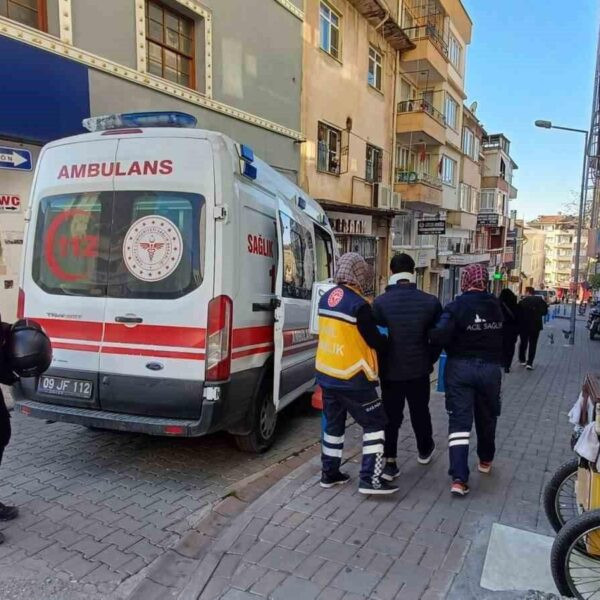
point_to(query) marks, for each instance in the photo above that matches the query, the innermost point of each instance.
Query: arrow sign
(15, 158)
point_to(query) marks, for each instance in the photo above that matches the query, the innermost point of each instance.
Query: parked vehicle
(173, 270)
(593, 322)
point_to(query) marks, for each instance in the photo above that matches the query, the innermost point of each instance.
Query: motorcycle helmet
(28, 349)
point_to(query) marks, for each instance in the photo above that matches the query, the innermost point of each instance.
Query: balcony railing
(421, 105)
(428, 32)
(412, 177)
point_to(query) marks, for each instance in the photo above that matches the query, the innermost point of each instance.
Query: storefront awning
(356, 208)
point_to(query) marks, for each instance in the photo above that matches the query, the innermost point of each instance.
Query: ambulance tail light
(218, 339)
(21, 304)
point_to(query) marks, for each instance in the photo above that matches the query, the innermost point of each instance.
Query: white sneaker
(529, 367)
(523, 364)
(425, 460)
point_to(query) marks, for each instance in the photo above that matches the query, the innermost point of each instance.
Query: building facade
(560, 251)
(533, 262)
(70, 60)
(351, 50)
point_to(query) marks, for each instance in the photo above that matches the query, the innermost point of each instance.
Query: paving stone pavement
(300, 542)
(98, 507)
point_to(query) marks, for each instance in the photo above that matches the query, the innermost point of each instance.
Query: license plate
(61, 386)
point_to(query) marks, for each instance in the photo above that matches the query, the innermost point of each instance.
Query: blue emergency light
(246, 159)
(140, 119)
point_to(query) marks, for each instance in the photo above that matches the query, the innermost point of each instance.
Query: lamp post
(549, 125)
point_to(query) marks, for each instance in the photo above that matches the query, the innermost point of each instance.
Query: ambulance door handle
(129, 320)
(270, 306)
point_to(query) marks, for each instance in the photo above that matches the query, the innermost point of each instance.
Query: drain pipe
(384, 20)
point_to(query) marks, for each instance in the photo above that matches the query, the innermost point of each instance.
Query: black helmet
(28, 349)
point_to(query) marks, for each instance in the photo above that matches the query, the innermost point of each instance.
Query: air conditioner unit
(396, 201)
(383, 197)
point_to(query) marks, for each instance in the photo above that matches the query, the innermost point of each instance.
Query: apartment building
(497, 190)
(350, 58)
(66, 60)
(429, 133)
(560, 251)
(533, 261)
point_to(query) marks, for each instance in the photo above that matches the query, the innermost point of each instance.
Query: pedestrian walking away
(408, 314)
(532, 310)
(347, 371)
(510, 329)
(470, 330)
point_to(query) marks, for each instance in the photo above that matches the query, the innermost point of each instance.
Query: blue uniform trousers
(472, 392)
(367, 410)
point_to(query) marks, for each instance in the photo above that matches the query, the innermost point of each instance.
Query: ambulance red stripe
(155, 335)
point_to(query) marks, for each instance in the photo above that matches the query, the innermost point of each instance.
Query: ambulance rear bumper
(119, 421)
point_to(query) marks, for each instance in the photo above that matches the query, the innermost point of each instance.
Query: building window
(330, 31)
(170, 44)
(487, 201)
(298, 259)
(375, 69)
(26, 12)
(466, 197)
(374, 164)
(448, 170)
(451, 111)
(328, 149)
(402, 227)
(454, 52)
(468, 143)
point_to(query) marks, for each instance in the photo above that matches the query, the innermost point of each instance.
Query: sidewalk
(300, 542)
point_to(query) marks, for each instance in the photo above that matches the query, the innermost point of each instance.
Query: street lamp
(548, 125)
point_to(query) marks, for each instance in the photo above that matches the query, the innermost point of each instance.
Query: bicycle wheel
(576, 572)
(560, 502)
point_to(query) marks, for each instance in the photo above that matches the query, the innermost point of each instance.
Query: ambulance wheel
(263, 420)
(576, 572)
(560, 501)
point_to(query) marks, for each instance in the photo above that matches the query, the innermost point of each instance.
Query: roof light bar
(139, 119)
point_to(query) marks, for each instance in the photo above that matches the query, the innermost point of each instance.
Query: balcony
(388, 26)
(422, 190)
(501, 184)
(430, 53)
(418, 122)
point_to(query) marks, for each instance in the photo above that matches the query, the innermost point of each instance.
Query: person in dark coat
(408, 314)
(532, 310)
(7, 377)
(510, 330)
(470, 330)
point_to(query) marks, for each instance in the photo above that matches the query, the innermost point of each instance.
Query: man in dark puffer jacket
(408, 314)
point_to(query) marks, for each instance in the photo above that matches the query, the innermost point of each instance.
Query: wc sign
(10, 203)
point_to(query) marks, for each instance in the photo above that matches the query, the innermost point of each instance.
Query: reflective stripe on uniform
(345, 374)
(462, 442)
(374, 449)
(376, 435)
(335, 452)
(459, 434)
(337, 315)
(333, 439)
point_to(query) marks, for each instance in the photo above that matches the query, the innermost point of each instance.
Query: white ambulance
(172, 270)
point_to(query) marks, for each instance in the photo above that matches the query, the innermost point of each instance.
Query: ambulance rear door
(294, 345)
(160, 279)
(65, 267)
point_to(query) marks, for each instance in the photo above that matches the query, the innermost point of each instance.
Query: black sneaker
(425, 459)
(381, 488)
(8, 513)
(339, 478)
(390, 471)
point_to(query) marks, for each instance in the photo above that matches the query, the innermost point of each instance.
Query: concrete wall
(335, 90)
(111, 94)
(256, 50)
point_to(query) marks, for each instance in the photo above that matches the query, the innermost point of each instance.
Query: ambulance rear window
(137, 244)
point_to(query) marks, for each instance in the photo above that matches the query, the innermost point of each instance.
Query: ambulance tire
(567, 557)
(263, 421)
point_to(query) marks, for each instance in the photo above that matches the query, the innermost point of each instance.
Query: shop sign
(466, 259)
(350, 223)
(491, 219)
(431, 227)
(10, 203)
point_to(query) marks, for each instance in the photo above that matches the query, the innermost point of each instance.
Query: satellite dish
(473, 107)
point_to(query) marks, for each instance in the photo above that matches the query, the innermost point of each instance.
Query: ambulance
(173, 271)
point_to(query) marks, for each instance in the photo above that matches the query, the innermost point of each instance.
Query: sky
(528, 60)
